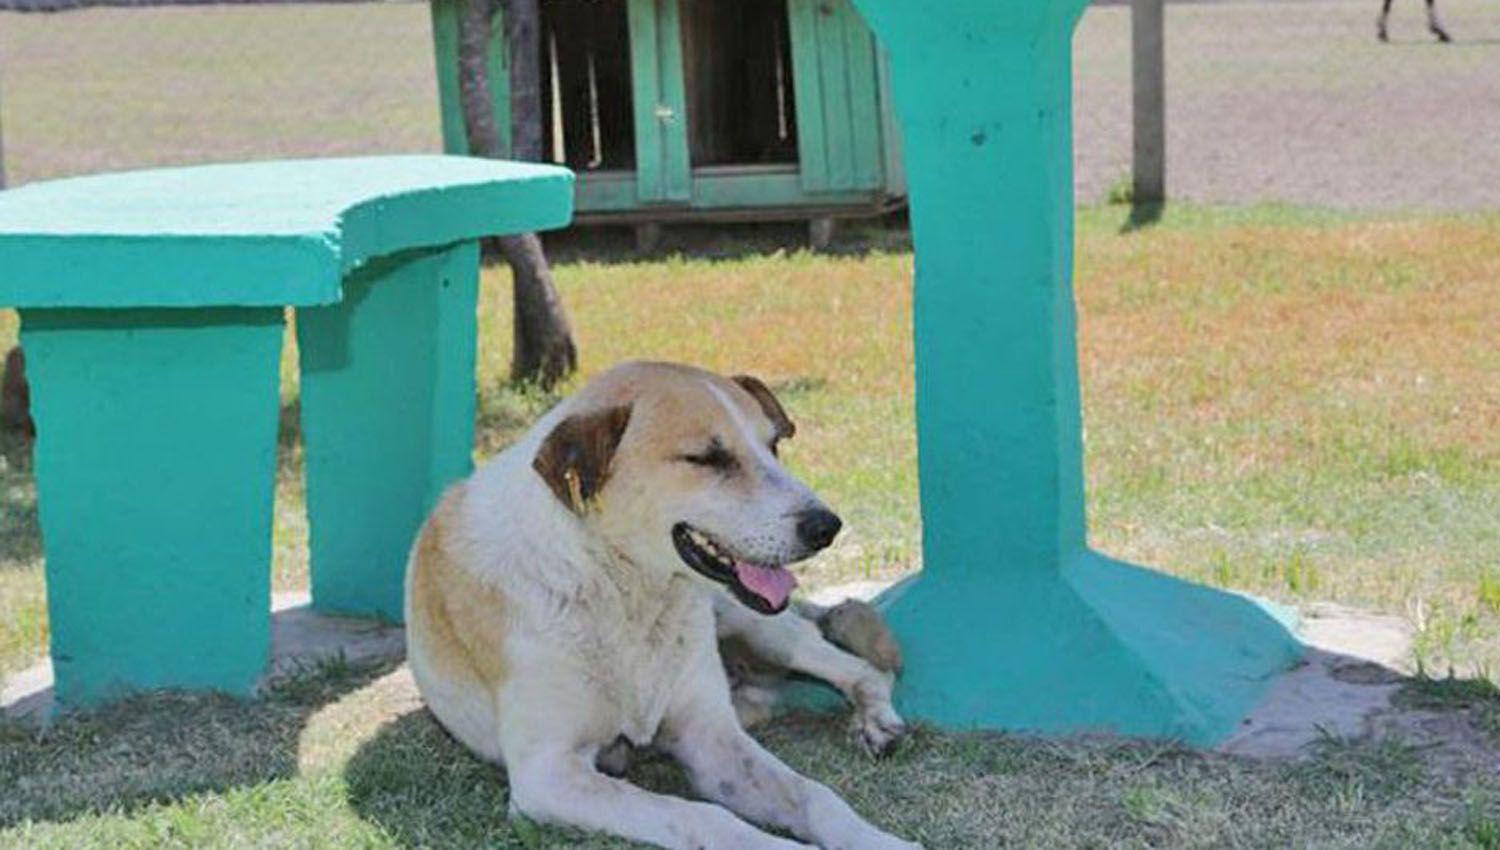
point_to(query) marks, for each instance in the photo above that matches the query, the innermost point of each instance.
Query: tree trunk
(543, 349)
(523, 43)
(2, 152)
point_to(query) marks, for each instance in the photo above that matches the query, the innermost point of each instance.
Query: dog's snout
(816, 527)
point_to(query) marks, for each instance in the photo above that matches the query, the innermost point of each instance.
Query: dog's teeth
(709, 547)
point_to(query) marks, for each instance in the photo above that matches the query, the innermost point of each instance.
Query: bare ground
(1298, 103)
(1267, 101)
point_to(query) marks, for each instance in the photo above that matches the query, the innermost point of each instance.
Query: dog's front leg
(564, 788)
(794, 642)
(730, 767)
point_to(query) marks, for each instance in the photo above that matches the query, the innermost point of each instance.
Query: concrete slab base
(299, 637)
(1354, 667)
(1356, 664)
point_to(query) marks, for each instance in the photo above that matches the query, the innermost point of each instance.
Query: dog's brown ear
(774, 411)
(574, 459)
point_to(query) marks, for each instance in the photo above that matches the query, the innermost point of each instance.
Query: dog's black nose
(817, 527)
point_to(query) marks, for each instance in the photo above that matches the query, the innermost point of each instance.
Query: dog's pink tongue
(772, 584)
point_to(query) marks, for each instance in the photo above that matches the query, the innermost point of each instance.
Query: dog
(571, 594)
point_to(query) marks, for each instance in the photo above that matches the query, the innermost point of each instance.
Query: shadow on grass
(424, 789)
(163, 747)
(719, 241)
(1143, 215)
(967, 792)
(20, 535)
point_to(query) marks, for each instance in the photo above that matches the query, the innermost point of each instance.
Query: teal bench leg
(155, 466)
(387, 418)
(1015, 622)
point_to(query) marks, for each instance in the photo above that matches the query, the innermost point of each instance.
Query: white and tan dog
(570, 595)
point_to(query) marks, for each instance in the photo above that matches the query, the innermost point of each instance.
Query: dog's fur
(559, 601)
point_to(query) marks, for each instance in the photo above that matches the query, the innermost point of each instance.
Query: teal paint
(256, 234)
(838, 110)
(155, 462)
(659, 101)
(388, 418)
(151, 313)
(834, 71)
(775, 193)
(865, 126)
(807, 82)
(1014, 623)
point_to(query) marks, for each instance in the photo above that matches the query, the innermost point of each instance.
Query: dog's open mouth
(765, 588)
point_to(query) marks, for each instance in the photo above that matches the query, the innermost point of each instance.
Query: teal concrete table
(152, 308)
(1014, 622)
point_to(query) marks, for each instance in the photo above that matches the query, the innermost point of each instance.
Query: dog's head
(676, 468)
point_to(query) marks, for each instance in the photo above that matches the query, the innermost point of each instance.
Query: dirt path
(1297, 102)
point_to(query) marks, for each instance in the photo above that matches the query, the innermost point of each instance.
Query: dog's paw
(875, 720)
(874, 839)
(879, 729)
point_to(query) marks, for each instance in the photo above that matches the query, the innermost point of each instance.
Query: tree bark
(523, 43)
(543, 350)
(2, 152)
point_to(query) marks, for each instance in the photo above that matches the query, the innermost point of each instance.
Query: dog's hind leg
(564, 789)
(1385, 16)
(794, 642)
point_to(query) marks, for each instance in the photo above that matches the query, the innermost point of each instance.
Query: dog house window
(586, 99)
(737, 62)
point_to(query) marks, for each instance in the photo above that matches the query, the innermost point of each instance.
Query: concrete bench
(152, 315)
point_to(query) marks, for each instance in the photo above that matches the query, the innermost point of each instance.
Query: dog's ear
(574, 459)
(774, 411)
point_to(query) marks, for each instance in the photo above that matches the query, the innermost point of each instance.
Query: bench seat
(153, 309)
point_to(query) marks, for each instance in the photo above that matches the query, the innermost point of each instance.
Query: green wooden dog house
(704, 109)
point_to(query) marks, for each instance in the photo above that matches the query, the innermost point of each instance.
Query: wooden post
(2, 143)
(1148, 71)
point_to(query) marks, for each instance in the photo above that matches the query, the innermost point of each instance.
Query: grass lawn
(1299, 404)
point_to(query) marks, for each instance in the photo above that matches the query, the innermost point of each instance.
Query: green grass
(1297, 403)
(345, 758)
(1478, 697)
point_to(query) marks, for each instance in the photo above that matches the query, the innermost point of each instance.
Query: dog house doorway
(587, 108)
(737, 70)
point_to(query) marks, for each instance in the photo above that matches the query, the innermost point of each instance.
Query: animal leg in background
(1434, 25)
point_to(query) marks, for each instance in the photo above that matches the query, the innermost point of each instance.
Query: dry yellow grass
(1295, 404)
(1299, 405)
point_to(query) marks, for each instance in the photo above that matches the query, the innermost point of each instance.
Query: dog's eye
(713, 457)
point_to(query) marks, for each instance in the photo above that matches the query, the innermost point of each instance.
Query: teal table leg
(1014, 622)
(155, 466)
(387, 418)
